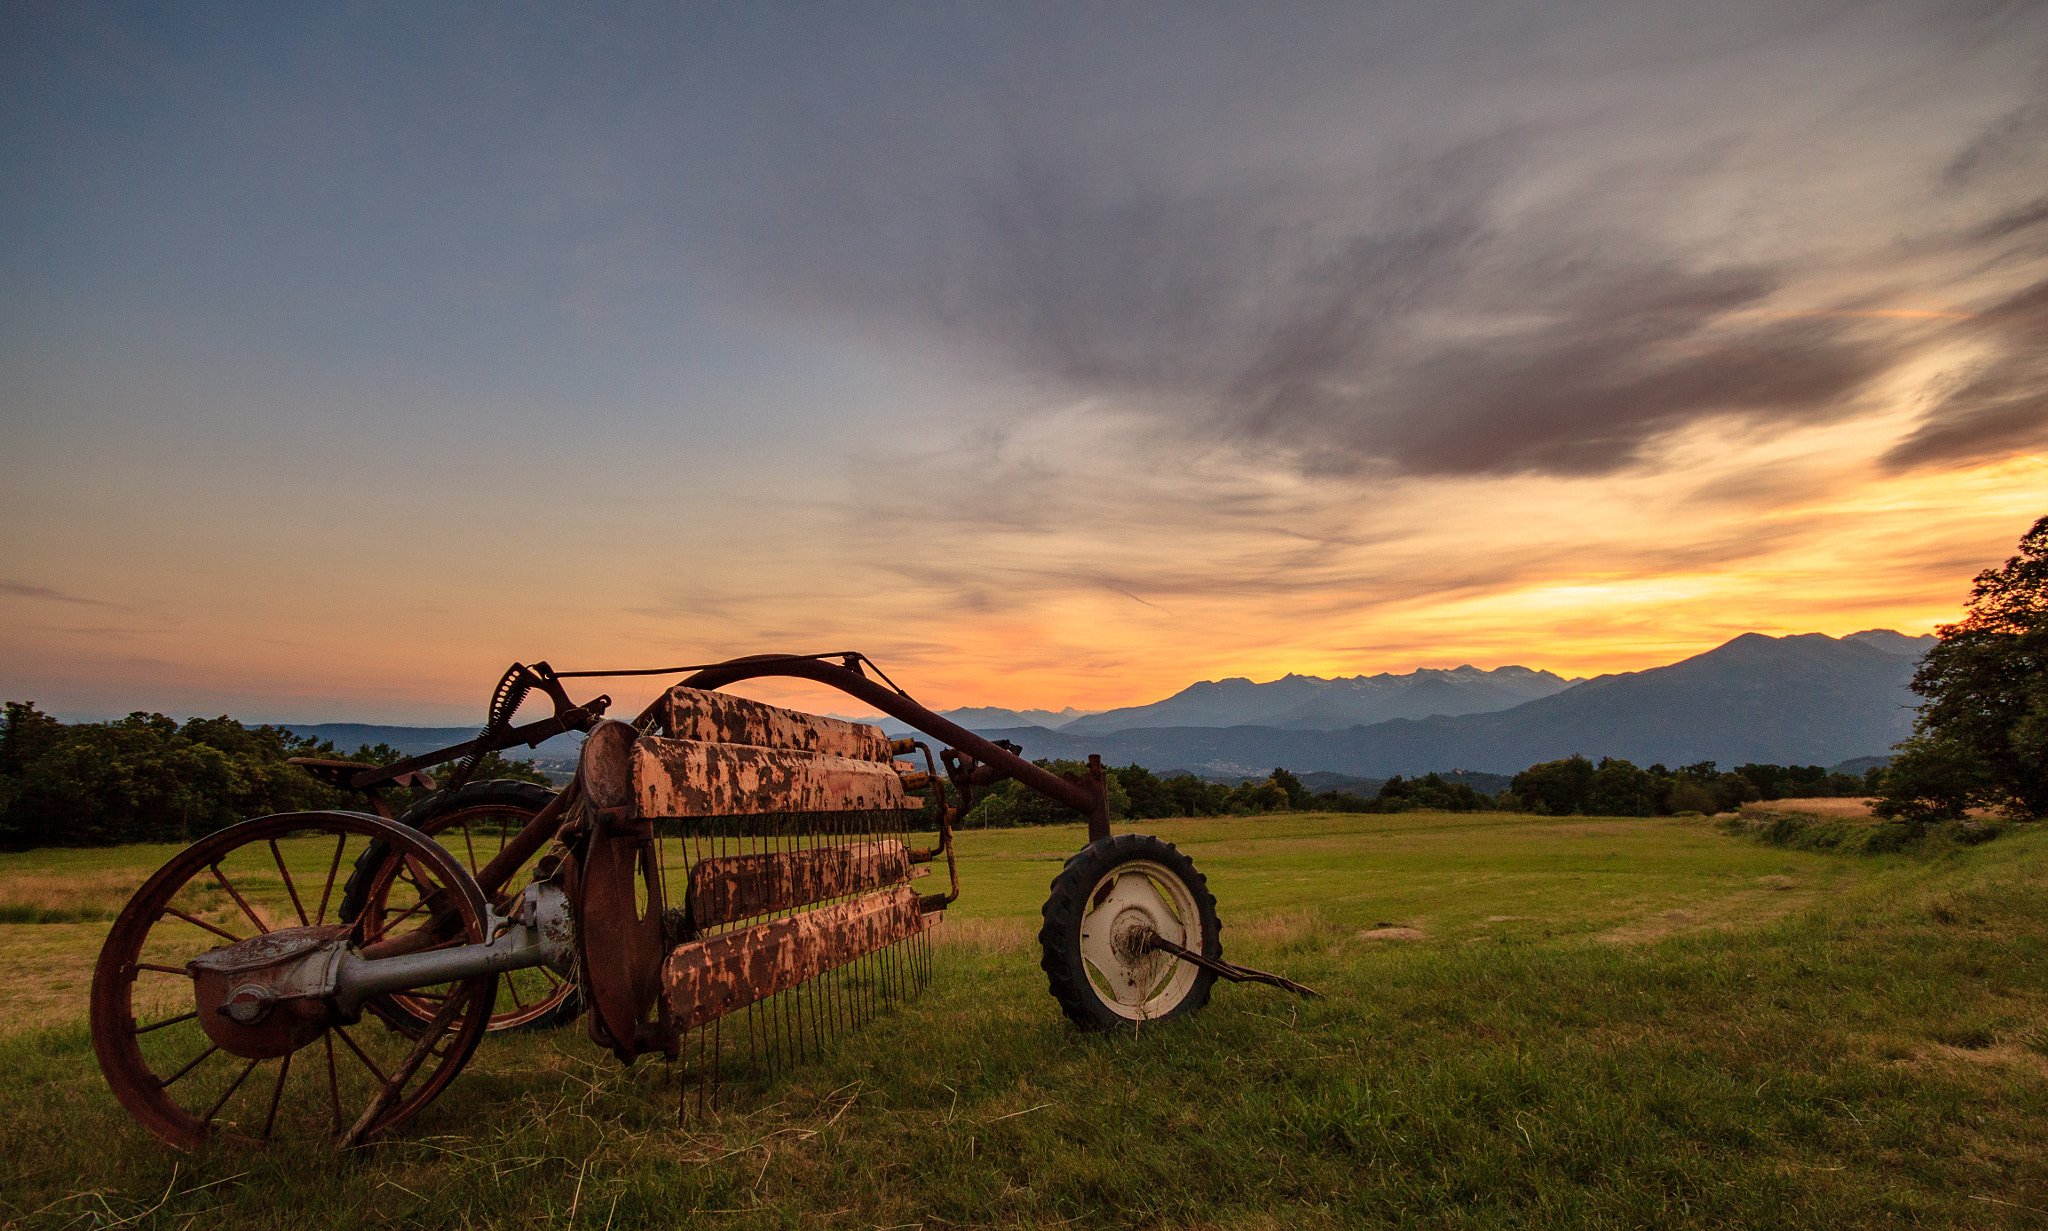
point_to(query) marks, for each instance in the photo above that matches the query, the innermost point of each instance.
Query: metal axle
(314, 965)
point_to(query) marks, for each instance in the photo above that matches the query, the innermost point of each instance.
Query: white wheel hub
(1131, 903)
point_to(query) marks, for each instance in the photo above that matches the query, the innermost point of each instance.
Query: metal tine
(779, 840)
(793, 1025)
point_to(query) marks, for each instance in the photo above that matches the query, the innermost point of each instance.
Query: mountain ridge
(1317, 703)
(1801, 699)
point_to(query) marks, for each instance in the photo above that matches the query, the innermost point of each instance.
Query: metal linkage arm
(1230, 970)
(497, 734)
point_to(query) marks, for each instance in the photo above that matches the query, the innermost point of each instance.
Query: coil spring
(506, 699)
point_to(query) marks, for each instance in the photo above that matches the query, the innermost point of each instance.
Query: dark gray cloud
(1451, 260)
(1997, 406)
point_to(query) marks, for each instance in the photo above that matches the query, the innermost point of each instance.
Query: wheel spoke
(340, 841)
(229, 1093)
(240, 901)
(410, 870)
(385, 925)
(422, 925)
(168, 970)
(1165, 901)
(201, 923)
(165, 1082)
(367, 1062)
(168, 1021)
(333, 1081)
(284, 1067)
(289, 888)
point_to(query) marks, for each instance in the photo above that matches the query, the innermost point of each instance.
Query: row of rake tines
(785, 1030)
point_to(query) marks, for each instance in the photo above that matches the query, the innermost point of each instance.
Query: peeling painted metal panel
(720, 718)
(734, 887)
(707, 979)
(686, 778)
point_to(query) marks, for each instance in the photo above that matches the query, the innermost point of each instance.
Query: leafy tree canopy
(1982, 734)
(149, 778)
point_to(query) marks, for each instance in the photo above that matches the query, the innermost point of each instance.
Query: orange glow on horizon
(1579, 577)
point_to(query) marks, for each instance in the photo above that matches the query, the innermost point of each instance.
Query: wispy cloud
(1996, 405)
(20, 589)
(1555, 292)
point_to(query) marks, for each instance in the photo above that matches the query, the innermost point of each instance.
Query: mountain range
(1806, 699)
(412, 741)
(976, 716)
(1310, 703)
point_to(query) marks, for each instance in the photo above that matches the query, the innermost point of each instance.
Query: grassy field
(1529, 1022)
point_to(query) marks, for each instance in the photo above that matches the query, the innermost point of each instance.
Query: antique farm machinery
(324, 975)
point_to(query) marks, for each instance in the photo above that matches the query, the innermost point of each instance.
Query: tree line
(1574, 785)
(1981, 737)
(148, 778)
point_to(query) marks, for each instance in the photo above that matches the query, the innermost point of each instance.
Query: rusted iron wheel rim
(472, 823)
(189, 1092)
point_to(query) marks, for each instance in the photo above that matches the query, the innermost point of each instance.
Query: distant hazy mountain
(1804, 700)
(1895, 643)
(974, 717)
(980, 718)
(412, 741)
(1308, 702)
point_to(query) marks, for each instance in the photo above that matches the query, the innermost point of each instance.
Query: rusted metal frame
(393, 1086)
(728, 890)
(696, 778)
(536, 833)
(724, 718)
(945, 846)
(1090, 798)
(578, 718)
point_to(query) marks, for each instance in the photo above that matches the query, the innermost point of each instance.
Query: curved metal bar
(1090, 799)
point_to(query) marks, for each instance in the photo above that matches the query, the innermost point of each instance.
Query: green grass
(1603, 1023)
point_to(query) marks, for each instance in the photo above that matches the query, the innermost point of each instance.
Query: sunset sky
(1050, 354)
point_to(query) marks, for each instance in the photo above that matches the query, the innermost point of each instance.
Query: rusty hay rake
(324, 975)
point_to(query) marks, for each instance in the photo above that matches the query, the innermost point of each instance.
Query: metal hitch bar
(1230, 970)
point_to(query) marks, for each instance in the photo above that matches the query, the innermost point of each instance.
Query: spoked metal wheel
(185, 1044)
(1105, 908)
(473, 822)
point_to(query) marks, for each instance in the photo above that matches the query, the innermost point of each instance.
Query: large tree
(1982, 734)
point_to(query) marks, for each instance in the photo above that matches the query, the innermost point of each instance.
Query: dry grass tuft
(1390, 933)
(1848, 806)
